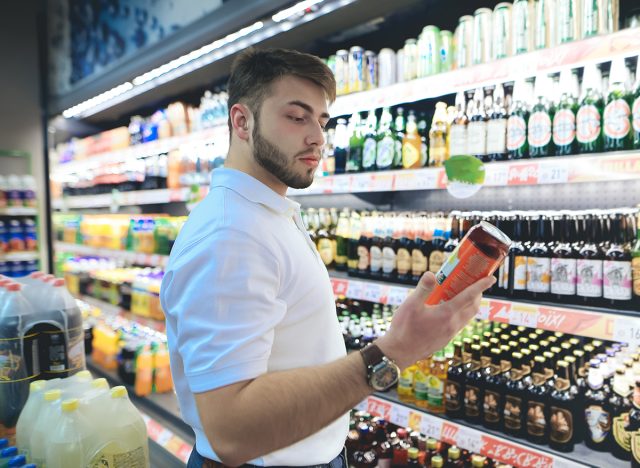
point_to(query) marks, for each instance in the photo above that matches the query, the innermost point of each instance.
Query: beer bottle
(458, 131)
(369, 154)
(635, 267)
(325, 242)
(517, 142)
(617, 267)
(539, 124)
(386, 142)
(438, 136)
(353, 258)
(399, 127)
(617, 113)
(356, 144)
(377, 243)
(436, 256)
(538, 403)
(455, 236)
(364, 245)
(589, 264)
(517, 273)
(411, 144)
(515, 401)
(633, 425)
(341, 146)
(597, 412)
(314, 224)
(620, 403)
(421, 248)
(406, 244)
(589, 116)
(437, 378)
(497, 127)
(493, 392)
(454, 386)
(477, 127)
(564, 120)
(390, 247)
(424, 133)
(342, 240)
(564, 413)
(328, 153)
(539, 263)
(473, 394)
(636, 110)
(564, 264)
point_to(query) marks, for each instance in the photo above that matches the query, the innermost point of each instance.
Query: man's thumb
(424, 288)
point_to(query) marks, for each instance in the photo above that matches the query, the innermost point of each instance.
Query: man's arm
(249, 419)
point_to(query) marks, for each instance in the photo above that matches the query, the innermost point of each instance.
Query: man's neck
(247, 164)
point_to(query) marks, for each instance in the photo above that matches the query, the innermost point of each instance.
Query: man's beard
(277, 163)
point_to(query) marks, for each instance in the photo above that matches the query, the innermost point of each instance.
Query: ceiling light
(294, 10)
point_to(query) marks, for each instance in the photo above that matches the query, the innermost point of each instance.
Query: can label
(520, 273)
(496, 136)
(598, 423)
(561, 425)
(617, 280)
(516, 132)
(589, 278)
(539, 129)
(452, 396)
(563, 276)
(458, 140)
(521, 26)
(564, 127)
(616, 119)
(538, 274)
(636, 115)
(386, 152)
(588, 124)
(477, 137)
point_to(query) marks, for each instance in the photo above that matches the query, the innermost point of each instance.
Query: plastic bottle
(144, 372)
(162, 378)
(4, 191)
(67, 445)
(28, 418)
(28, 194)
(17, 462)
(14, 186)
(48, 419)
(6, 455)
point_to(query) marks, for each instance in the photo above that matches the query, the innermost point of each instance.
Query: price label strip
(627, 330)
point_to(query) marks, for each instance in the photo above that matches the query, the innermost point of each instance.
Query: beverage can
(462, 41)
(568, 20)
(522, 36)
(609, 16)
(386, 67)
(342, 71)
(429, 51)
(478, 255)
(446, 50)
(400, 66)
(411, 58)
(371, 69)
(545, 27)
(502, 30)
(356, 69)
(481, 51)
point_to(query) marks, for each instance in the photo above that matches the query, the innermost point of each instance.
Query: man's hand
(418, 330)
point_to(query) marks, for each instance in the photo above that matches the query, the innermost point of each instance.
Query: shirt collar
(253, 190)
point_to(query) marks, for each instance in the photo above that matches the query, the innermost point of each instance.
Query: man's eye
(296, 119)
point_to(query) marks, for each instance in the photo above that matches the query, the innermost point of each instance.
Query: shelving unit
(152, 260)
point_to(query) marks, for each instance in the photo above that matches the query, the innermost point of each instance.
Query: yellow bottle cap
(70, 405)
(118, 392)
(84, 375)
(52, 395)
(437, 461)
(100, 383)
(36, 385)
(454, 453)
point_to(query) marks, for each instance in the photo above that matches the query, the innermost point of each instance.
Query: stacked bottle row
(587, 257)
(17, 191)
(18, 235)
(374, 442)
(11, 458)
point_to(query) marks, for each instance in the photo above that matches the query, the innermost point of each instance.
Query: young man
(257, 355)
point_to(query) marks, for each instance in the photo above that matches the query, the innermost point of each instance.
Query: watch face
(384, 376)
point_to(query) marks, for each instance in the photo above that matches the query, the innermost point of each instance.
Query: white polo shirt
(246, 293)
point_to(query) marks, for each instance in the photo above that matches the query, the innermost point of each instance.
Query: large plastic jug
(29, 416)
(67, 445)
(17, 365)
(124, 438)
(47, 421)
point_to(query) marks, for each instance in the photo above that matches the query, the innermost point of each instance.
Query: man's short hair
(253, 71)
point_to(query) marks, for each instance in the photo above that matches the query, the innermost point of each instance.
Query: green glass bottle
(635, 110)
(617, 113)
(564, 120)
(356, 144)
(539, 125)
(589, 116)
(517, 146)
(386, 142)
(399, 126)
(370, 142)
(423, 131)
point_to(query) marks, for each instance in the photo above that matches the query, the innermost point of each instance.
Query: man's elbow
(228, 450)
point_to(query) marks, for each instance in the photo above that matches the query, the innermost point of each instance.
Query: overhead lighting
(294, 10)
(97, 100)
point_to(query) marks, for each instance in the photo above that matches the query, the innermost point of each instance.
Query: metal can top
(482, 11)
(465, 19)
(369, 52)
(503, 5)
(430, 27)
(386, 50)
(410, 41)
(342, 52)
(446, 33)
(356, 49)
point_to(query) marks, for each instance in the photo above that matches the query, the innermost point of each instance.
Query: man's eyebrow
(308, 108)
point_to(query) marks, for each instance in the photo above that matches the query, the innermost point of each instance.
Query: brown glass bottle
(390, 248)
(563, 265)
(454, 386)
(473, 395)
(564, 413)
(355, 227)
(617, 279)
(538, 404)
(493, 407)
(364, 246)
(421, 248)
(620, 403)
(516, 398)
(633, 424)
(406, 244)
(539, 264)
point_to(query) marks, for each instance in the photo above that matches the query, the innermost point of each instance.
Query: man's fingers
(471, 293)
(423, 289)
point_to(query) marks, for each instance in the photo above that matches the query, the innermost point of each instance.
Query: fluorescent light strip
(295, 9)
(203, 56)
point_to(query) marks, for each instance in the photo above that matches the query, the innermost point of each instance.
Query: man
(257, 355)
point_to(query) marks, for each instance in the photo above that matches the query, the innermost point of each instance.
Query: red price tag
(523, 174)
(499, 311)
(379, 408)
(340, 287)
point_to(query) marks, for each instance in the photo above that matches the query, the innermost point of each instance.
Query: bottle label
(561, 425)
(538, 274)
(616, 119)
(405, 381)
(376, 258)
(564, 127)
(636, 115)
(513, 412)
(435, 392)
(477, 137)
(617, 280)
(458, 139)
(563, 276)
(115, 456)
(363, 258)
(503, 274)
(589, 278)
(436, 259)
(472, 401)
(386, 151)
(411, 155)
(418, 262)
(496, 136)
(388, 260)
(516, 132)
(492, 406)
(598, 423)
(369, 153)
(520, 273)
(588, 124)
(622, 437)
(403, 260)
(635, 268)
(536, 421)
(453, 396)
(325, 247)
(539, 129)
(421, 385)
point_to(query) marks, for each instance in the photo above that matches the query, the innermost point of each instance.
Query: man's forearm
(281, 408)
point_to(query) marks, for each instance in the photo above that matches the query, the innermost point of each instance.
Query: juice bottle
(144, 372)
(421, 383)
(162, 378)
(438, 135)
(437, 378)
(411, 144)
(66, 445)
(405, 384)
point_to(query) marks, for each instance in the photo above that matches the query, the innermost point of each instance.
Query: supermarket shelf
(152, 260)
(132, 198)
(18, 211)
(161, 413)
(507, 449)
(113, 310)
(219, 133)
(600, 323)
(19, 257)
(602, 167)
(625, 43)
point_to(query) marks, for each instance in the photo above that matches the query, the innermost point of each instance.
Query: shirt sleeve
(222, 292)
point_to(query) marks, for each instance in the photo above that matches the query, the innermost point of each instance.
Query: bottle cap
(70, 405)
(17, 461)
(437, 461)
(36, 385)
(52, 395)
(84, 375)
(100, 383)
(118, 392)
(454, 452)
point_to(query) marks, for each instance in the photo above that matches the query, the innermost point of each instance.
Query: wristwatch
(382, 372)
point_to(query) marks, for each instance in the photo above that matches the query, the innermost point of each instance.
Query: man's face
(288, 134)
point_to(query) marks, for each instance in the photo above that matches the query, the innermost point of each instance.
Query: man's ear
(240, 116)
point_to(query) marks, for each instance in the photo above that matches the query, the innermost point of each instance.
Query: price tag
(523, 174)
(499, 311)
(407, 180)
(380, 408)
(431, 426)
(341, 184)
(553, 173)
(382, 182)
(340, 287)
(524, 315)
(415, 420)
(397, 295)
(355, 290)
(469, 439)
(164, 437)
(362, 183)
(627, 330)
(496, 175)
(372, 292)
(400, 415)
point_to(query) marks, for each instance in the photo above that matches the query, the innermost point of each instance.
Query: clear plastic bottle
(47, 420)
(66, 446)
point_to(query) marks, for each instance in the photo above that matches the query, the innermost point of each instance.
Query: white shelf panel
(152, 260)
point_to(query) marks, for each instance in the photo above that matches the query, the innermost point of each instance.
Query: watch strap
(372, 356)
